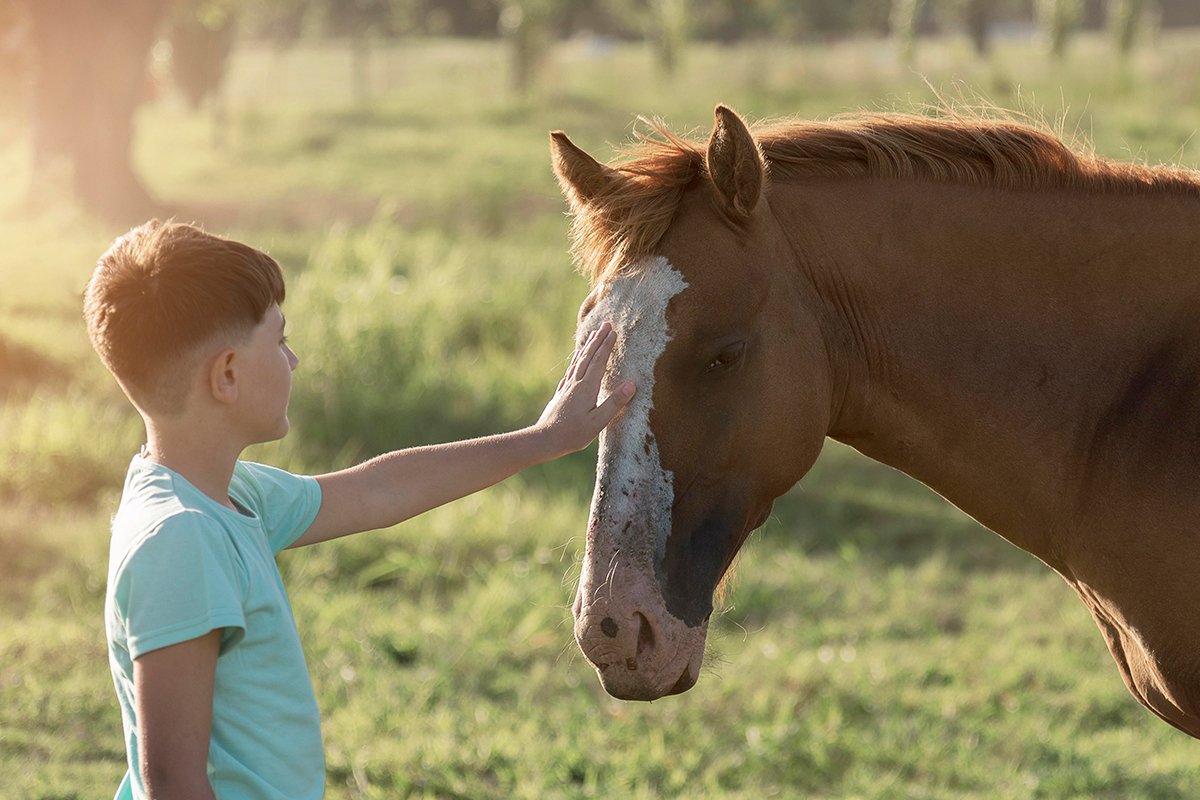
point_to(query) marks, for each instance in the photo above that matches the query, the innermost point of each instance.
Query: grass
(876, 644)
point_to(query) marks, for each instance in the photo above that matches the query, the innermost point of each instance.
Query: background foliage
(876, 644)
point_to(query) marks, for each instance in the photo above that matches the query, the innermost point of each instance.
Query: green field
(876, 644)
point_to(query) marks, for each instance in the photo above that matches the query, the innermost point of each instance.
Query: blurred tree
(867, 16)
(360, 22)
(14, 35)
(1059, 18)
(730, 20)
(461, 17)
(281, 21)
(617, 18)
(1092, 14)
(1178, 13)
(1123, 19)
(664, 24)
(527, 24)
(789, 20)
(88, 65)
(870, 16)
(669, 31)
(977, 16)
(904, 27)
(355, 20)
(201, 37)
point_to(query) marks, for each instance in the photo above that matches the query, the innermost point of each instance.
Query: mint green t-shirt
(181, 565)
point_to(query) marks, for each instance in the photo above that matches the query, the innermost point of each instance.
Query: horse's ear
(734, 162)
(580, 176)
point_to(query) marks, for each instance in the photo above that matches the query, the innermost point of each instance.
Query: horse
(967, 299)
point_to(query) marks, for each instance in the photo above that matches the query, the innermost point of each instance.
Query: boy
(215, 696)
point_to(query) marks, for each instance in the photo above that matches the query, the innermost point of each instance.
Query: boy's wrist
(547, 444)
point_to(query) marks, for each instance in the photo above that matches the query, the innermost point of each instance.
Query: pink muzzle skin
(639, 650)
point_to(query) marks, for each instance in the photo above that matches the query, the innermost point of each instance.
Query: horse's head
(716, 328)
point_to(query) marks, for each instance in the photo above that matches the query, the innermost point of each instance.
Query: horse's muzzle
(636, 656)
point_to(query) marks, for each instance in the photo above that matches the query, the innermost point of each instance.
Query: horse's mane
(623, 223)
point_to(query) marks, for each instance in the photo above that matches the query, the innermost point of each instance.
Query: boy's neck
(193, 451)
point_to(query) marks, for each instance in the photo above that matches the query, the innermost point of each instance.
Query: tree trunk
(904, 27)
(89, 75)
(1059, 18)
(978, 16)
(1124, 16)
(200, 52)
(360, 67)
(668, 32)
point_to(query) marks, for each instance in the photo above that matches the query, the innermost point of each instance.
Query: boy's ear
(222, 377)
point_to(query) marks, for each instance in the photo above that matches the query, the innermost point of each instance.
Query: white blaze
(634, 493)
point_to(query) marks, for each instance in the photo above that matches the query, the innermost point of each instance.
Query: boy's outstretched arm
(399, 485)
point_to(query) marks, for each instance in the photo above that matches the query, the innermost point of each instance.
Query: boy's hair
(162, 291)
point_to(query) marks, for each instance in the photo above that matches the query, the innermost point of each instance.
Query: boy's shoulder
(274, 505)
(153, 492)
(157, 502)
(257, 486)
(150, 489)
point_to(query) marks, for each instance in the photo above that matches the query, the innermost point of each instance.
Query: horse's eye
(727, 358)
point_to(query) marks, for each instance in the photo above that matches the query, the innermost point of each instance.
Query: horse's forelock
(620, 226)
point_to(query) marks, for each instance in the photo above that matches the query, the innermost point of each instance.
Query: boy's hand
(572, 418)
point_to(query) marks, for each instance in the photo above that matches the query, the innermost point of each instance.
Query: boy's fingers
(567, 374)
(595, 341)
(593, 370)
(620, 397)
(575, 359)
(571, 366)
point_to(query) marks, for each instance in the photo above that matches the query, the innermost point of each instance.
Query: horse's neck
(1001, 346)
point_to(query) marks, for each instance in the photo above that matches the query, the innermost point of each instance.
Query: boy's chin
(280, 431)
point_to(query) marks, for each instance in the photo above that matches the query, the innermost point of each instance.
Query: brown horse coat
(970, 301)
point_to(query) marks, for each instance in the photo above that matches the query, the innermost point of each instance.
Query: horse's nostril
(645, 639)
(609, 627)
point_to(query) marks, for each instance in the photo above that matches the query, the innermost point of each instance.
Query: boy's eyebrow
(282, 324)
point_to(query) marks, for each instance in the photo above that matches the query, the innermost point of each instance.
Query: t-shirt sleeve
(181, 581)
(285, 503)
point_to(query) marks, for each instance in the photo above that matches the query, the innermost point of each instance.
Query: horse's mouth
(685, 682)
(642, 692)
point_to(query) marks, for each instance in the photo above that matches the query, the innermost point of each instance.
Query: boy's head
(163, 296)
